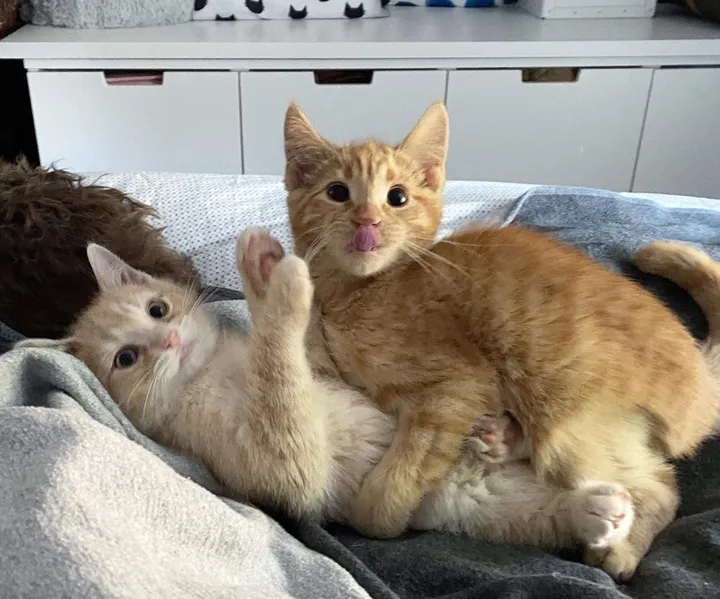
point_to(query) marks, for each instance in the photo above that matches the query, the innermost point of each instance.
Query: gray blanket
(90, 507)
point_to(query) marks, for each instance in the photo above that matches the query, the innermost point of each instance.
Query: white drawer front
(584, 132)
(385, 108)
(189, 123)
(680, 150)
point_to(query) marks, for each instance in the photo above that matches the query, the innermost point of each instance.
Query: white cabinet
(343, 106)
(172, 121)
(583, 131)
(680, 151)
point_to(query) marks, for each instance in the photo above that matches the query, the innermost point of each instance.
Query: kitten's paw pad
(619, 561)
(494, 437)
(290, 286)
(257, 254)
(603, 514)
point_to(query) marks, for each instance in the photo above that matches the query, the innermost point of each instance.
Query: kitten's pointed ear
(305, 149)
(111, 271)
(68, 344)
(427, 143)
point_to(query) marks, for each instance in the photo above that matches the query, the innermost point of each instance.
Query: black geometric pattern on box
(239, 10)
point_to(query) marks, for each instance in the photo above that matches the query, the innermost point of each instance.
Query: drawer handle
(344, 77)
(130, 78)
(556, 75)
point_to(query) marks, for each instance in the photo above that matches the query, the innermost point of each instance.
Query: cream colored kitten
(251, 408)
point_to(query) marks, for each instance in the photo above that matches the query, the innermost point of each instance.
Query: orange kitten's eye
(396, 197)
(157, 309)
(126, 357)
(338, 192)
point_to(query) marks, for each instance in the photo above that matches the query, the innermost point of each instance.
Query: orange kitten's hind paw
(494, 437)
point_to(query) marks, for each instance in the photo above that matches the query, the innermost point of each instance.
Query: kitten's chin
(366, 264)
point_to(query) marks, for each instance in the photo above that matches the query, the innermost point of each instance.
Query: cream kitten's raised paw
(280, 283)
(290, 293)
(602, 515)
(257, 253)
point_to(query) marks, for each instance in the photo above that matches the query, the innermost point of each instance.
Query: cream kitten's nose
(171, 341)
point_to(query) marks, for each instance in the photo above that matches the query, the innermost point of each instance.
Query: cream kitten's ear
(68, 344)
(305, 149)
(427, 143)
(111, 271)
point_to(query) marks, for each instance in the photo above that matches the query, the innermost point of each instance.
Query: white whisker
(186, 295)
(425, 252)
(129, 397)
(318, 244)
(461, 243)
(200, 299)
(415, 257)
(304, 233)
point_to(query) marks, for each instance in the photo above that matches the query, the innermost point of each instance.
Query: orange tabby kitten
(605, 380)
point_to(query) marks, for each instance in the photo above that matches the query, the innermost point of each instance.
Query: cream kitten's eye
(126, 357)
(396, 197)
(338, 192)
(157, 309)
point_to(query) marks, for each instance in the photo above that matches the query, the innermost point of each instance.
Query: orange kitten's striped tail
(698, 274)
(693, 270)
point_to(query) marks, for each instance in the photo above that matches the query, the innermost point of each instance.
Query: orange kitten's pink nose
(366, 220)
(172, 341)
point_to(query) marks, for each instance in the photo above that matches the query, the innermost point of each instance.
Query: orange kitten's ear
(305, 149)
(111, 271)
(68, 345)
(427, 143)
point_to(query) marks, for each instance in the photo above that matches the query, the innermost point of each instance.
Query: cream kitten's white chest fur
(219, 406)
(281, 434)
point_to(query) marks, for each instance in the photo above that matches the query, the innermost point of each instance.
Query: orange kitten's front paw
(619, 561)
(375, 515)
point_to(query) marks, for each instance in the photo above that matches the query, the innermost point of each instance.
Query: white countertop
(410, 33)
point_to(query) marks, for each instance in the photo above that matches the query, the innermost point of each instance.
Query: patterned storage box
(460, 3)
(236, 10)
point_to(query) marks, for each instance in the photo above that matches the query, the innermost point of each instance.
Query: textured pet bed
(106, 14)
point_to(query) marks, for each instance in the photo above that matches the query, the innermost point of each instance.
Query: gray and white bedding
(90, 507)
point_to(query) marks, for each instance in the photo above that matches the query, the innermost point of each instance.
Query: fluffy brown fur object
(47, 219)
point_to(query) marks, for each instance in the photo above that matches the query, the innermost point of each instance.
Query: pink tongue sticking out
(366, 239)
